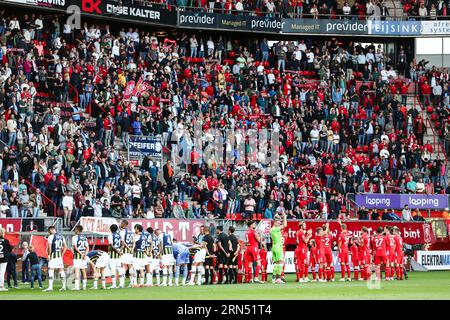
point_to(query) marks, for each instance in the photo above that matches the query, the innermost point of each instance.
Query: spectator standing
(406, 213)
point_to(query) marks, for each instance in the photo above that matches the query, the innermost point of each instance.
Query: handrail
(331, 16)
(439, 144)
(75, 90)
(42, 194)
(99, 106)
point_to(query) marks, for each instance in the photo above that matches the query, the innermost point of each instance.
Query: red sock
(332, 272)
(349, 275)
(387, 271)
(305, 271)
(343, 271)
(282, 271)
(363, 273)
(313, 270)
(401, 273)
(320, 273)
(368, 273)
(397, 272)
(356, 274)
(392, 272)
(328, 274)
(297, 274)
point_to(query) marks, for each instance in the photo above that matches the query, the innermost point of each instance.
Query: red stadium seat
(429, 109)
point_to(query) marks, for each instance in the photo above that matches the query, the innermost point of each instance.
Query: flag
(13, 238)
(40, 245)
(68, 258)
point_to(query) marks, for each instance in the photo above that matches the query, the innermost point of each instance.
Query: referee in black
(222, 254)
(5, 249)
(209, 267)
(233, 246)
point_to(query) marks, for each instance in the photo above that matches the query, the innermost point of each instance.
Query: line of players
(314, 252)
(145, 255)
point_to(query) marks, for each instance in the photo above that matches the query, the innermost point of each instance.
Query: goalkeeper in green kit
(277, 249)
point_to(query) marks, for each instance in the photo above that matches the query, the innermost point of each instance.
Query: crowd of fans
(340, 109)
(314, 9)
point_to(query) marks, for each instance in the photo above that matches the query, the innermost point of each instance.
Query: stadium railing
(55, 207)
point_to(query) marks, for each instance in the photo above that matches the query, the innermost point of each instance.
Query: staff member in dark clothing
(222, 254)
(36, 270)
(5, 249)
(209, 268)
(233, 258)
(11, 269)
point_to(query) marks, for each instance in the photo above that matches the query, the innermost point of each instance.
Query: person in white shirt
(39, 26)
(210, 46)
(97, 208)
(14, 24)
(67, 31)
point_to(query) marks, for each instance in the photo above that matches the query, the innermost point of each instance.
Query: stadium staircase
(395, 8)
(433, 127)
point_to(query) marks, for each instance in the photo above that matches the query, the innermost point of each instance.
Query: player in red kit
(263, 257)
(320, 256)
(242, 264)
(380, 249)
(354, 252)
(313, 258)
(390, 245)
(253, 240)
(301, 252)
(398, 253)
(366, 256)
(343, 251)
(328, 254)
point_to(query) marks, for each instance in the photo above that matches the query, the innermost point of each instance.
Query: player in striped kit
(115, 247)
(127, 255)
(148, 257)
(139, 247)
(56, 248)
(167, 260)
(80, 247)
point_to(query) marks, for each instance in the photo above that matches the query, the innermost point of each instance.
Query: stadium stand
(346, 115)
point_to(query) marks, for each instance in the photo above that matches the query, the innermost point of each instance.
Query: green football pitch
(420, 285)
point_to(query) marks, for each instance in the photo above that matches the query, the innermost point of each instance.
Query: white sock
(114, 279)
(170, 276)
(158, 277)
(199, 274)
(51, 278)
(121, 277)
(148, 277)
(95, 284)
(164, 277)
(141, 279)
(62, 274)
(84, 284)
(103, 283)
(77, 284)
(193, 271)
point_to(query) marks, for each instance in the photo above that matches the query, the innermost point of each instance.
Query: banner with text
(182, 230)
(411, 232)
(145, 145)
(398, 201)
(434, 260)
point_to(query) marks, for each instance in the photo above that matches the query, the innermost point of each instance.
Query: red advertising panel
(182, 230)
(11, 224)
(411, 232)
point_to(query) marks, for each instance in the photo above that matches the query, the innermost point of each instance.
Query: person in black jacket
(11, 269)
(5, 249)
(88, 210)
